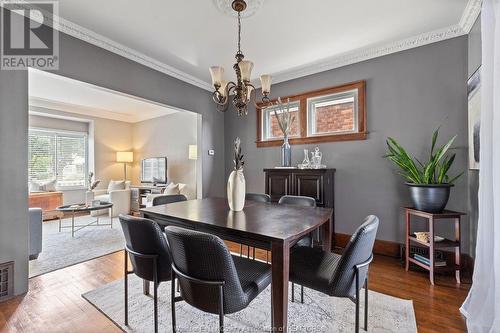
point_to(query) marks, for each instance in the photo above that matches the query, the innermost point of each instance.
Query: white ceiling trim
(471, 12)
(463, 27)
(80, 109)
(91, 37)
(96, 39)
(369, 53)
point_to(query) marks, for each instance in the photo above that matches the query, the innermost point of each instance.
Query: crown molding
(91, 37)
(470, 14)
(80, 109)
(364, 54)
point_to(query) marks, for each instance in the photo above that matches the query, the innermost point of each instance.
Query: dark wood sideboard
(316, 183)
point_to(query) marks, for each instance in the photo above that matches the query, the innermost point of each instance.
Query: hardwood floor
(54, 302)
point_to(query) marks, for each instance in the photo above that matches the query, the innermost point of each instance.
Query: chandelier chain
(239, 32)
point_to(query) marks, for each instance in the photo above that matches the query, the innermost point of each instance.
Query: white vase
(236, 190)
(89, 196)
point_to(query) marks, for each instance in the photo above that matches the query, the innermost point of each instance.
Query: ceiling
(285, 38)
(60, 93)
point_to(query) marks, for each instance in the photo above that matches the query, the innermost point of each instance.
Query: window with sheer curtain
(60, 156)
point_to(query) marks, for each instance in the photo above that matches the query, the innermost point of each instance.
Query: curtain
(482, 306)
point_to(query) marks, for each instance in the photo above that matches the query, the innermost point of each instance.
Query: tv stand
(140, 192)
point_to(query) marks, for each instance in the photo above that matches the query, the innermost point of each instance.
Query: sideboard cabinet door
(278, 185)
(310, 185)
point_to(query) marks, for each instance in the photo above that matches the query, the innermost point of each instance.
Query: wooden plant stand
(432, 245)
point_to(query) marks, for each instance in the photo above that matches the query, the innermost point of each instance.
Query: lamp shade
(124, 156)
(217, 73)
(222, 88)
(193, 152)
(265, 81)
(249, 92)
(246, 69)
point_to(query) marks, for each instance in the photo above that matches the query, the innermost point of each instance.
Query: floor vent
(6, 280)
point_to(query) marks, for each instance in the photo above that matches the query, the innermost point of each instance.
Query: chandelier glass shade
(241, 92)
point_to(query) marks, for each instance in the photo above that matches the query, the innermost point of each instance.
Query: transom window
(331, 114)
(60, 156)
(271, 129)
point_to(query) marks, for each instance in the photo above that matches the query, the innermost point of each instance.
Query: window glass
(271, 129)
(59, 156)
(333, 114)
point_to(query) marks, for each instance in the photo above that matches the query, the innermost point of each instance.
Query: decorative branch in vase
(285, 121)
(236, 187)
(92, 184)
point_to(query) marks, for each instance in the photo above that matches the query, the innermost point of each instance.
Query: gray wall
(85, 62)
(474, 52)
(169, 136)
(14, 174)
(409, 94)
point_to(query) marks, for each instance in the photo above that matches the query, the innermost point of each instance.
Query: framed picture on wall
(474, 117)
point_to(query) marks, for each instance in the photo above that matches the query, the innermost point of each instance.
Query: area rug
(319, 313)
(60, 250)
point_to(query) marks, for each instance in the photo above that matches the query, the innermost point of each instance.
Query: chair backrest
(205, 257)
(144, 236)
(358, 250)
(259, 197)
(297, 200)
(169, 198)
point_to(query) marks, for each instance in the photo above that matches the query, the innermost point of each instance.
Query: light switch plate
(211, 152)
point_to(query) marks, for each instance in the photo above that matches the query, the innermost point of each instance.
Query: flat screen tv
(154, 170)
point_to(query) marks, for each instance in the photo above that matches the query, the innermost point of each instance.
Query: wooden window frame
(361, 133)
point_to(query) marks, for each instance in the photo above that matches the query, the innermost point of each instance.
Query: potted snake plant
(428, 182)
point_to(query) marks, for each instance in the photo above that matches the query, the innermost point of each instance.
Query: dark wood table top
(266, 220)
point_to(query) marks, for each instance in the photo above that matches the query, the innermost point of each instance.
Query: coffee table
(78, 208)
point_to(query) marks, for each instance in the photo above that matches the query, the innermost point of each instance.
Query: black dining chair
(308, 241)
(149, 254)
(303, 201)
(210, 278)
(297, 200)
(338, 275)
(168, 198)
(165, 200)
(257, 197)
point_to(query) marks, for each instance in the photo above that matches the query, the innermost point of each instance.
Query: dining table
(268, 226)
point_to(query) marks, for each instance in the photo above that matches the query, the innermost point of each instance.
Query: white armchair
(119, 198)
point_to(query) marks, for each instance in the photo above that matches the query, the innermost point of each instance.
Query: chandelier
(242, 90)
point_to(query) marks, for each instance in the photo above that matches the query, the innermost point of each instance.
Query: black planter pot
(430, 198)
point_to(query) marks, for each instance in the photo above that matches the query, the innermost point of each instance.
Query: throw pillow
(182, 187)
(34, 186)
(49, 186)
(171, 189)
(115, 185)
